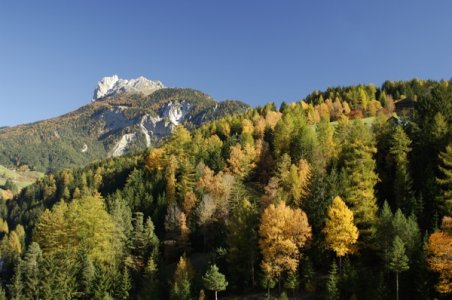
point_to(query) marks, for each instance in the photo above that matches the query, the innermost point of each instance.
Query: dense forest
(346, 195)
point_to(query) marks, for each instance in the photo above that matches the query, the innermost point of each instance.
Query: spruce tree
(445, 181)
(30, 271)
(85, 274)
(399, 150)
(398, 260)
(385, 232)
(125, 285)
(332, 291)
(16, 288)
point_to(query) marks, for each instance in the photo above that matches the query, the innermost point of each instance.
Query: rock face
(116, 123)
(109, 86)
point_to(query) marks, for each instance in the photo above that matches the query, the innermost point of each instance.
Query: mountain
(124, 116)
(113, 85)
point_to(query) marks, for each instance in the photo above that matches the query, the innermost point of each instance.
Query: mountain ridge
(122, 122)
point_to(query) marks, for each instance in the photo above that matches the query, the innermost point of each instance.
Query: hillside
(119, 123)
(21, 178)
(278, 200)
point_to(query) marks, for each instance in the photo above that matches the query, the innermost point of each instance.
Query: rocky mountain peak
(109, 86)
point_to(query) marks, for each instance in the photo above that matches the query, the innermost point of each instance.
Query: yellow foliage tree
(154, 160)
(440, 249)
(283, 233)
(340, 231)
(242, 160)
(82, 223)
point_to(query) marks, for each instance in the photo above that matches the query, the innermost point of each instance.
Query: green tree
(445, 181)
(86, 275)
(30, 271)
(213, 280)
(332, 291)
(2, 293)
(83, 224)
(399, 150)
(359, 167)
(407, 230)
(16, 288)
(125, 284)
(241, 239)
(398, 260)
(385, 232)
(102, 284)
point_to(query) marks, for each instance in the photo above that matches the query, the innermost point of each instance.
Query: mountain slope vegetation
(249, 196)
(109, 127)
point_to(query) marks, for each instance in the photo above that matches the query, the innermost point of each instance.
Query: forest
(345, 195)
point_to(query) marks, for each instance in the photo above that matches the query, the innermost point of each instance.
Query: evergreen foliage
(254, 194)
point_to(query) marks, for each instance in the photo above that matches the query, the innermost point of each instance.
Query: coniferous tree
(30, 271)
(242, 243)
(399, 150)
(213, 280)
(102, 284)
(181, 286)
(332, 291)
(398, 260)
(124, 285)
(359, 167)
(86, 275)
(16, 288)
(445, 181)
(385, 232)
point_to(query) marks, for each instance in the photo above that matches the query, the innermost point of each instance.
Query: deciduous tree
(283, 233)
(341, 233)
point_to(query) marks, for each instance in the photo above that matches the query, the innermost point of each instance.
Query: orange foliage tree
(440, 251)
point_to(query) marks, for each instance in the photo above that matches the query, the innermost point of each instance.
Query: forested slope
(278, 201)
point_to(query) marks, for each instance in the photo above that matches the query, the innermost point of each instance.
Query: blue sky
(52, 53)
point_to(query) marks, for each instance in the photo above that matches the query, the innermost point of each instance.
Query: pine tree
(86, 274)
(332, 291)
(213, 280)
(385, 231)
(398, 260)
(399, 150)
(30, 271)
(407, 230)
(445, 181)
(102, 284)
(125, 284)
(16, 288)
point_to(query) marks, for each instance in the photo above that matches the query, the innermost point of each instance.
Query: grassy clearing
(20, 178)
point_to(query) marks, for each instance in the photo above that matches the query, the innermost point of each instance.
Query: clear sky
(52, 53)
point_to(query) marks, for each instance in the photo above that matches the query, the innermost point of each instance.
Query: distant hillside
(112, 126)
(18, 178)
